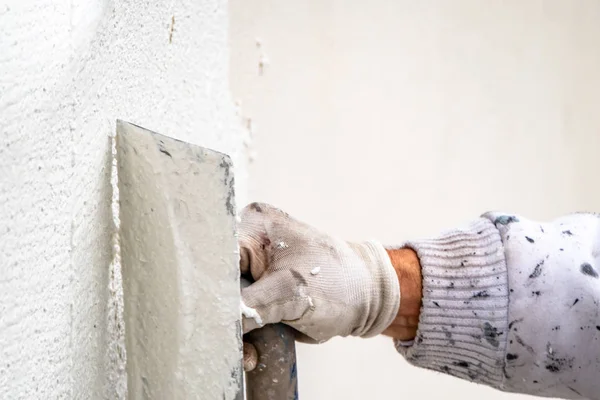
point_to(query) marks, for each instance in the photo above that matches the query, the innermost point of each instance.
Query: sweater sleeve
(513, 304)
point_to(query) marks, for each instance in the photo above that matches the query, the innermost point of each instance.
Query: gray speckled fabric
(513, 304)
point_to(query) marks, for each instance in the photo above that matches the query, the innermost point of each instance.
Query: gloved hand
(320, 285)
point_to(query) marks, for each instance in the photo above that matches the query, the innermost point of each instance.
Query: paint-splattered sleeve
(513, 304)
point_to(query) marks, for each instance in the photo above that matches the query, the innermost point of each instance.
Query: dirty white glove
(320, 285)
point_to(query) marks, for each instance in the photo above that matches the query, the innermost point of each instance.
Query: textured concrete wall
(395, 119)
(68, 70)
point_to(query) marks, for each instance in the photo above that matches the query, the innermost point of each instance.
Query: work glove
(318, 284)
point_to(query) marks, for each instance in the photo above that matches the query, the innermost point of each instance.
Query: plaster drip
(116, 357)
(250, 312)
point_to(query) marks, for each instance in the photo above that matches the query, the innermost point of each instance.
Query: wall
(68, 70)
(397, 119)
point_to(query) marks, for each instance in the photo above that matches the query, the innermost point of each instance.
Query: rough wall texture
(407, 117)
(68, 70)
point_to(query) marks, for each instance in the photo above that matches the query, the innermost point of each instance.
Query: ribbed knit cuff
(464, 318)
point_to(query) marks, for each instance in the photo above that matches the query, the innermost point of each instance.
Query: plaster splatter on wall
(249, 129)
(172, 29)
(263, 59)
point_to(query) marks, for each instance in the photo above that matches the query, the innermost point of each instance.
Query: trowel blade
(179, 256)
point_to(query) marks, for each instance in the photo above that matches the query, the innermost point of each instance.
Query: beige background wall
(395, 119)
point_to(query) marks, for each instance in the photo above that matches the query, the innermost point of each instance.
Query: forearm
(464, 304)
(499, 304)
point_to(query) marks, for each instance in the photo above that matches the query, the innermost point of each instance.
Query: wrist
(379, 290)
(408, 271)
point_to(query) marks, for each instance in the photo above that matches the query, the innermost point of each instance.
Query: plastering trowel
(181, 284)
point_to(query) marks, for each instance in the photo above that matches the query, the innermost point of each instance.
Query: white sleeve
(513, 304)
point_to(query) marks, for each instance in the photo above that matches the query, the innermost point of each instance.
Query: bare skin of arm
(408, 269)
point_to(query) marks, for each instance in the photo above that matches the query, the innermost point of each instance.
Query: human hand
(320, 285)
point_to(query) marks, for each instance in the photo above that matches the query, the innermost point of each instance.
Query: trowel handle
(275, 375)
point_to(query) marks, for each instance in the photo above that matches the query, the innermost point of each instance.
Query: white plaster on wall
(68, 70)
